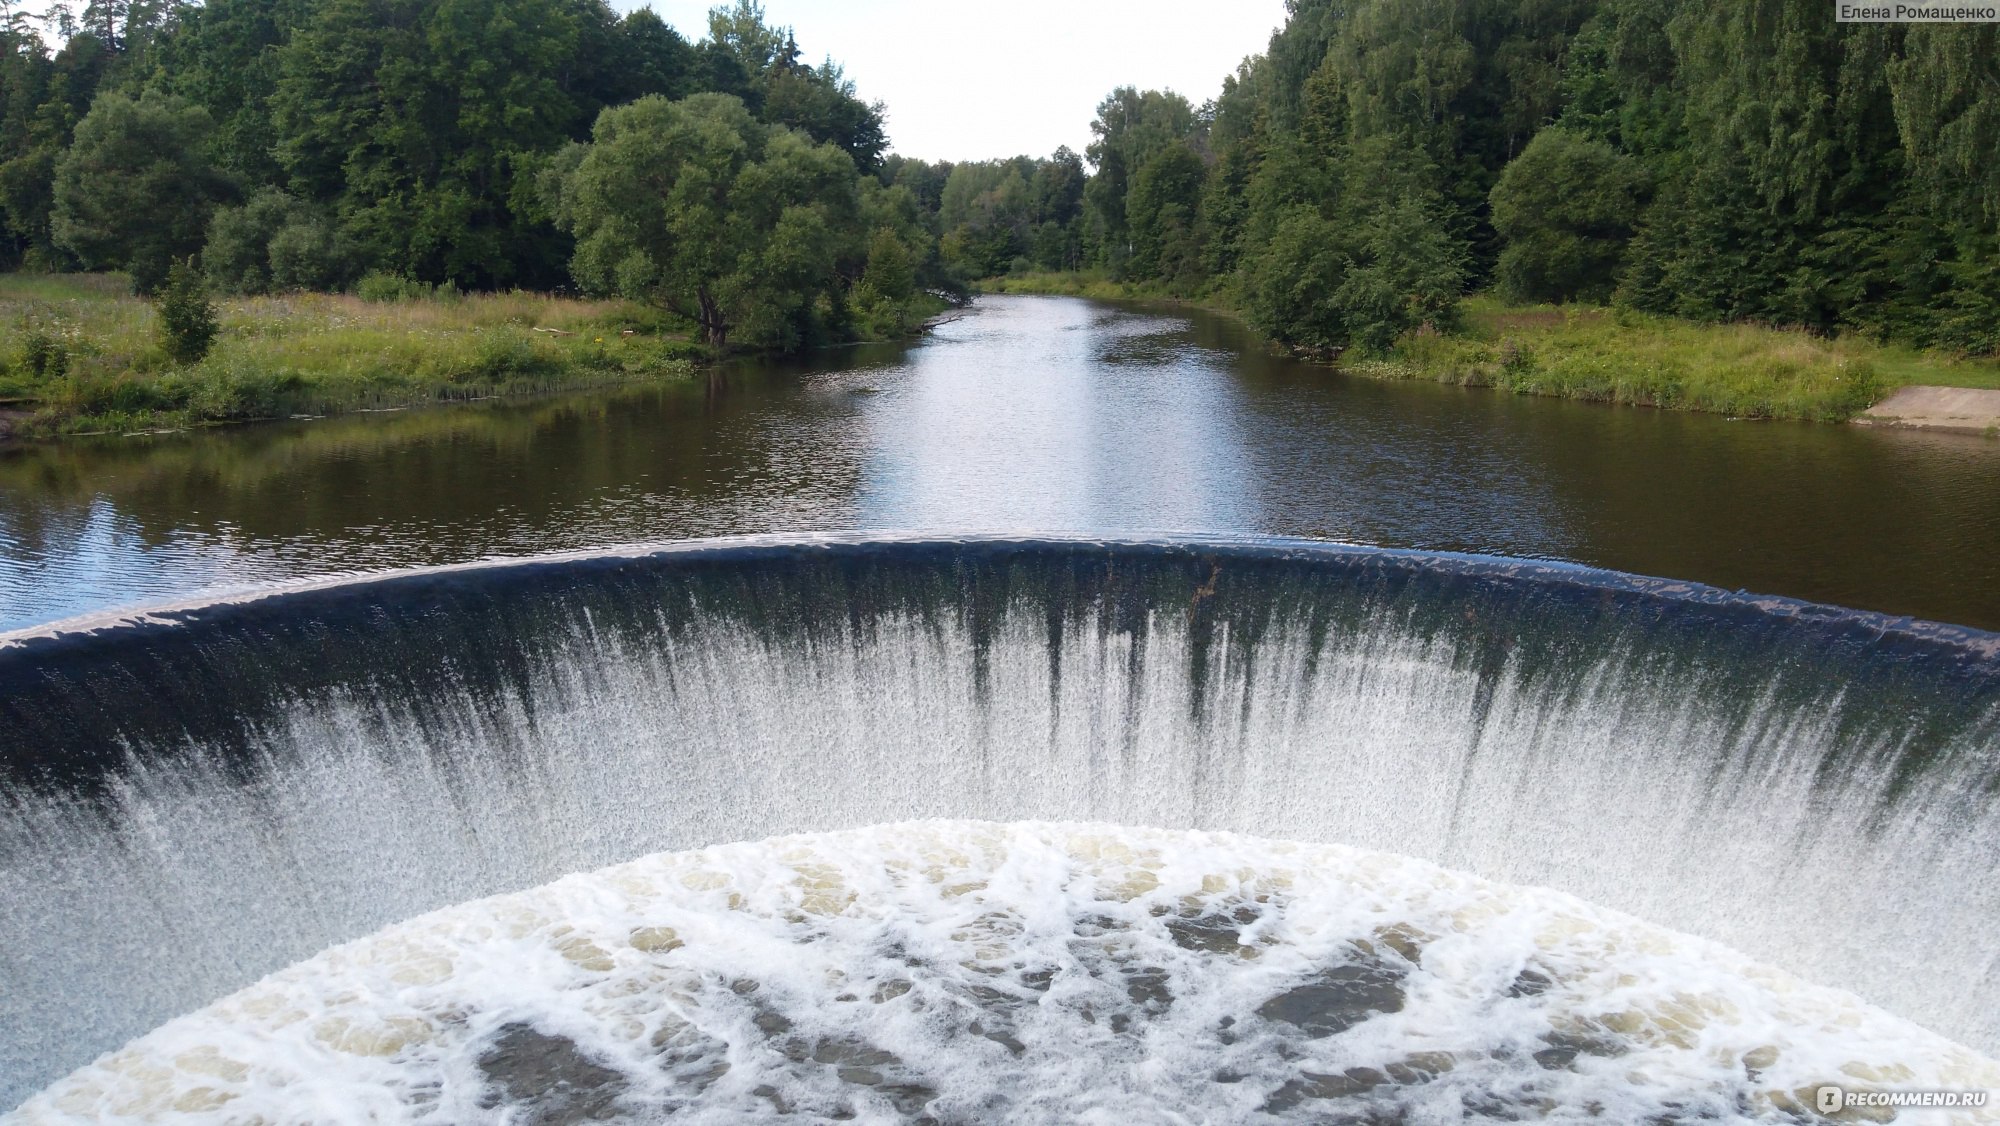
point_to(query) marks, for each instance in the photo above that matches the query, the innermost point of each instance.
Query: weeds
(88, 356)
(1621, 356)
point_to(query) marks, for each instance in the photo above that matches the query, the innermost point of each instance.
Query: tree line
(1753, 160)
(315, 144)
(1382, 158)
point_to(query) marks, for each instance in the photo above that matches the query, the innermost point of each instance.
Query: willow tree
(135, 189)
(1566, 208)
(697, 207)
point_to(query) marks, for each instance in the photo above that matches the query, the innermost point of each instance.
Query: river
(1027, 414)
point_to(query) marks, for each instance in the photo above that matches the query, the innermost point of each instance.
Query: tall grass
(308, 353)
(1616, 356)
(1579, 353)
(1085, 283)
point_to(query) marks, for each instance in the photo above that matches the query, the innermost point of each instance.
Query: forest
(1745, 162)
(396, 146)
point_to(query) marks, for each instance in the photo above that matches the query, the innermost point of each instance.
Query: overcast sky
(972, 81)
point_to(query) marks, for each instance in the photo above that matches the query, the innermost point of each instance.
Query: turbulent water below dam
(197, 798)
(970, 972)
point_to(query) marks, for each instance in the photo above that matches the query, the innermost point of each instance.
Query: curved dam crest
(199, 797)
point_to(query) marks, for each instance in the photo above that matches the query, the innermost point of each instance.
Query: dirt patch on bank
(1964, 409)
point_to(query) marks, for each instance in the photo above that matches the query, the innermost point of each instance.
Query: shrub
(43, 354)
(889, 273)
(379, 285)
(187, 317)
(237, 255)
(274, 243)
(307, 254)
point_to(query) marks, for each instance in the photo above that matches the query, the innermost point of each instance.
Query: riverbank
(1615, 356)
(1964, 410)
(82, 355)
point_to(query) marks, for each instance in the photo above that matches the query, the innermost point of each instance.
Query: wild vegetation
(1753, 164)
(1619, 355)
(93, 357)
(1745, 164)
(414, 150)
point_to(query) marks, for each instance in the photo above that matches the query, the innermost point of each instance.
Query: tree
(413, 120)
(783, 90)
(1164, 202)
(136, 188)
(1130, 129)
(187, 318)
(889, 274)
(224, 57)
(696, 206)
(1565, 209)
(1369, 263)
(274, 242)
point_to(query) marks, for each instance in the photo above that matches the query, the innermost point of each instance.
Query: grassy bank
(1085, 283)
(80, 354)
(1614, 356)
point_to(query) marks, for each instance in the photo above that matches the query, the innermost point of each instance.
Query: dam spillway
(198, 797)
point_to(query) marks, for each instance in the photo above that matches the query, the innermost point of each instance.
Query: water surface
(1029, 414)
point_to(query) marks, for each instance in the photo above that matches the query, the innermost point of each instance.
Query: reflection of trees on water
(1029, 415)
(750, 452)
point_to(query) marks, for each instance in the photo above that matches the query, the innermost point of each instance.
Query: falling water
(196, 799)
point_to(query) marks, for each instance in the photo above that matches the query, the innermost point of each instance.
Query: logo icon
(1830, 1099)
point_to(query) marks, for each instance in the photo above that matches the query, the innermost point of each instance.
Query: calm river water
(1027, 415)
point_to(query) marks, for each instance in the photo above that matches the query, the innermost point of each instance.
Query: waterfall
(197, 797)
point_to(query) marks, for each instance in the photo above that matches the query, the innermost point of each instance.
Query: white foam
(1033, 972)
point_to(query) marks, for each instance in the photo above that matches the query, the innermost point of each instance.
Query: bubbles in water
(971, 971)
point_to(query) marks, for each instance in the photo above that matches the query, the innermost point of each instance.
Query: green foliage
(987, 212)
(1367, 264)
(1324, 286)
(188, 324)
(1744, 371)
(698, 207)
(309, 253)
(1946, 86)
(888, 274)
(1750, 161)
(1753, 161)
(380, 285)
(313, 353)
(413, 132)
(1131, 128)
(424, 193)
(1565, 207)
(44, 355)
(135, 189)
(274, 243)
(1162, 211)
(1290, 283)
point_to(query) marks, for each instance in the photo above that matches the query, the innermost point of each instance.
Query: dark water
(1030, 414)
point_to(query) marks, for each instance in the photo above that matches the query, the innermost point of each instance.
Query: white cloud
(968, 81)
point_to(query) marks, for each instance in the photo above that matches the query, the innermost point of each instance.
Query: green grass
(1087, 283)
(79, 354)
(1617, 356)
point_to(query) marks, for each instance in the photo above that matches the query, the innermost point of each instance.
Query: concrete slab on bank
(1965, 409)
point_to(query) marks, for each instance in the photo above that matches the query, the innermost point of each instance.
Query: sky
(975, 81)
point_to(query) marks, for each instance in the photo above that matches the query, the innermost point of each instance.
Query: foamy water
(1032, 972)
